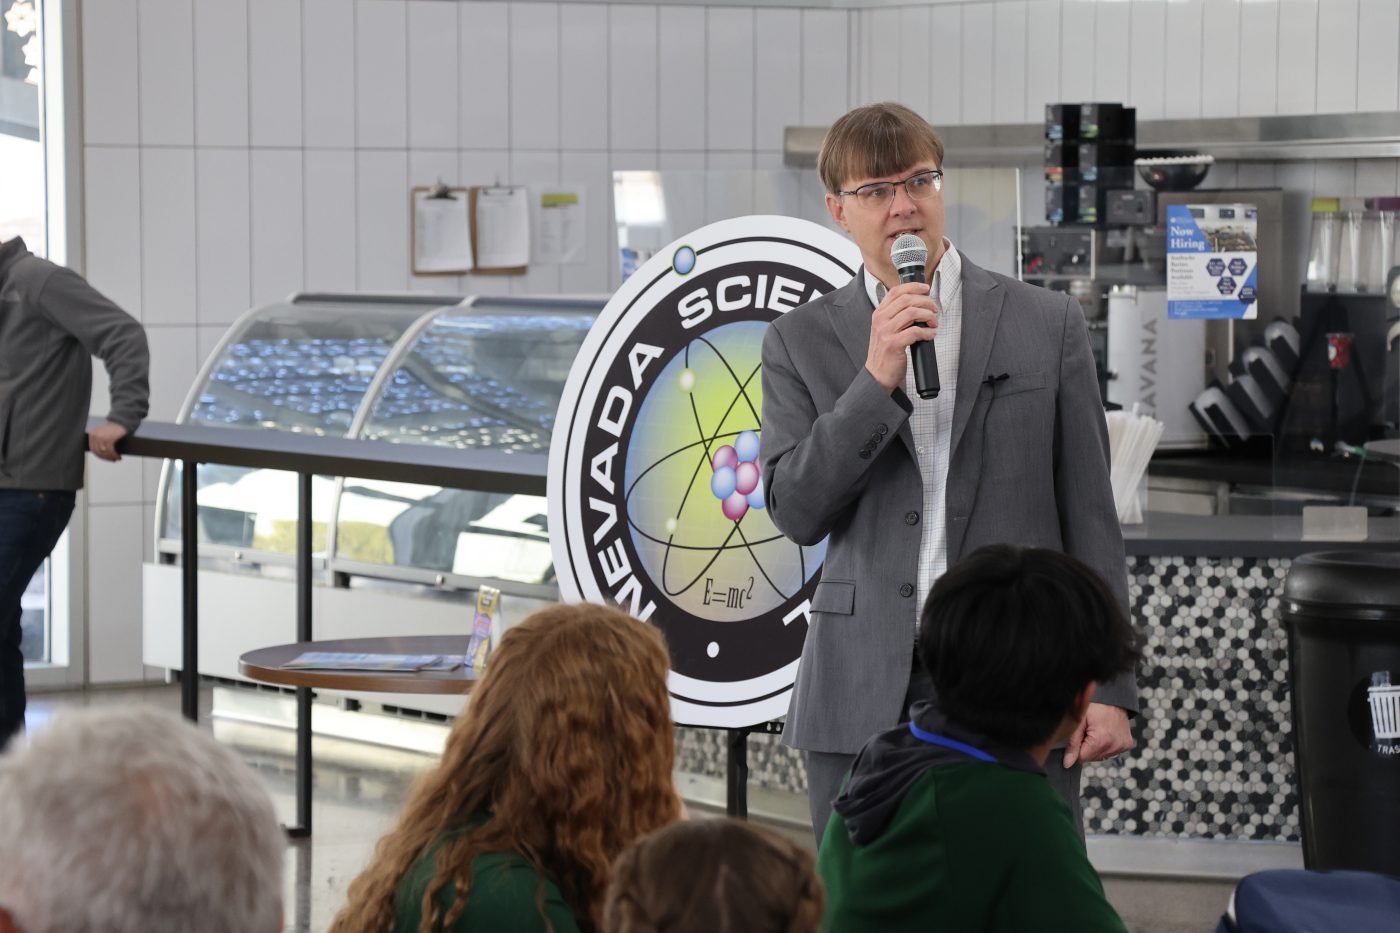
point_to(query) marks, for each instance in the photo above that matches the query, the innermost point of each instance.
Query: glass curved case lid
(487, 377)
(303, 366)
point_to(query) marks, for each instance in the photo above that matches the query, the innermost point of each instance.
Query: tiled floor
(359, 787)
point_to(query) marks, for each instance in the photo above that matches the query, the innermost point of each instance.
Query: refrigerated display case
(477, 372)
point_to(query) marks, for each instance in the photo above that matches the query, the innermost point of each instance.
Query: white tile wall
(534, 75)
(945, 103)
(166, 72)
(916, 57)
(825, 60)
(777, 76)
(328, 52)
(114, 587)
(274, 74)
(276, 223)
(432, 74)
(112, 229)
(1337, 43)
(381, 200)
(239, 150)
(881, 70)
(330, 230)
(1009, 63)
(1297, 56)
(222, 235)
(221, 72)
(1259, 56)
(167, 236)
(485, 76)
(679, 48)
(729, 90)
(1147, 81)
(381, 73)
(633, 42)
(110, 107)
(1042, 57)
(1112, 42)
(1378, 55)
(583, 77)
(1219, 92)
(978, 32)
(1076, 51)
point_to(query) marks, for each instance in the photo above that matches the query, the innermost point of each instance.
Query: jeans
(30, 525)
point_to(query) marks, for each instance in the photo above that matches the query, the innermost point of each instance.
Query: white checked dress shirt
(932, 419)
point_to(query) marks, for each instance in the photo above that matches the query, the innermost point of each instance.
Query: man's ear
(836, 207)
(7, 923)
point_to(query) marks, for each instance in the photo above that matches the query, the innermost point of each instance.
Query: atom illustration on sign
(693, 484)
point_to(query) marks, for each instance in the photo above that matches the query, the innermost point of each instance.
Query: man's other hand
(102, 440)
(1103, 733)
(893, 330)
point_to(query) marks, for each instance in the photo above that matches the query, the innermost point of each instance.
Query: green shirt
(972, 846)
(502, 898)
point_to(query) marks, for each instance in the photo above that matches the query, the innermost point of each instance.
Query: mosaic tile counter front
(1214, 757)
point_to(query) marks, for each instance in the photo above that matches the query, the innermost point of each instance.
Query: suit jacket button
(882, 428)
(911, 518)
(874, 439)
(865, 453)
(906, 590)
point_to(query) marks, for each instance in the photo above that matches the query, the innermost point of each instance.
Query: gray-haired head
(128, 820)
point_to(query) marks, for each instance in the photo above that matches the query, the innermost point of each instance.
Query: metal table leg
(189, 575)
(736, 796)
(303, 778)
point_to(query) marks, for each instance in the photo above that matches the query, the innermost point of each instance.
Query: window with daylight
(22, 214)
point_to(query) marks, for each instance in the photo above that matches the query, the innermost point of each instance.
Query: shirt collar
(950, 278)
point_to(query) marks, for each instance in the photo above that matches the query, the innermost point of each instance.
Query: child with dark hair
(708, 876)
(947, 822)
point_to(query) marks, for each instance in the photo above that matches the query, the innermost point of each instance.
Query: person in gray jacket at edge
(51, 323)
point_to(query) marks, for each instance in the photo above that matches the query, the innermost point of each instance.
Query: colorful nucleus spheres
(738, 479)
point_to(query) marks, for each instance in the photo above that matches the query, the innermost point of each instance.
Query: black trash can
(1342, 609)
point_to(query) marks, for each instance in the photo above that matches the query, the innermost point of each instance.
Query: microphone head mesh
(908, 250)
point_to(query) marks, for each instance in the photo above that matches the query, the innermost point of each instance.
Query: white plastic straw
(1132, 438)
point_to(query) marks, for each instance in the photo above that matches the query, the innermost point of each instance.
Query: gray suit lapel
(982, 298)
(850, 312)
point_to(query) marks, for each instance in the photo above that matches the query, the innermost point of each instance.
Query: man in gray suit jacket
(1013, 450)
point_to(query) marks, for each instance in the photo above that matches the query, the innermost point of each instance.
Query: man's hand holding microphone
(907, 317)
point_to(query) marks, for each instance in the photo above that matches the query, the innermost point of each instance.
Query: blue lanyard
(933, 738)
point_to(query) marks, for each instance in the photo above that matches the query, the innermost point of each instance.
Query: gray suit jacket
(1029, 466)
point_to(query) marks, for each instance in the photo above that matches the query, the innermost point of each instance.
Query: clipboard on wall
(441, 230)
(500, 229)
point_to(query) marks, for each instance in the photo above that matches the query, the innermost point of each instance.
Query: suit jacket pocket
(1017, 383)
(834, 596)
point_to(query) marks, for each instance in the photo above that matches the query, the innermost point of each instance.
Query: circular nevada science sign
(655, 489)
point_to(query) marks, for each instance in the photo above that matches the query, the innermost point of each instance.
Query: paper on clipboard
(502, 228)
(442, 240)
(561, 237)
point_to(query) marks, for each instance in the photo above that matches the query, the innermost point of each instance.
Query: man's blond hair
(876, 140)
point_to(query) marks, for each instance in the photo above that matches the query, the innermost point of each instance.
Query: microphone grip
(925, 359)
(925, 369)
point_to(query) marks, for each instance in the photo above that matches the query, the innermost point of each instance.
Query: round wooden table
(265, 665)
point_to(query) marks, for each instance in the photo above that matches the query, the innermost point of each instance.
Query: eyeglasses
(920, 186)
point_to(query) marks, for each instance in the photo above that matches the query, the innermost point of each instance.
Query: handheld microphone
(910, 255)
